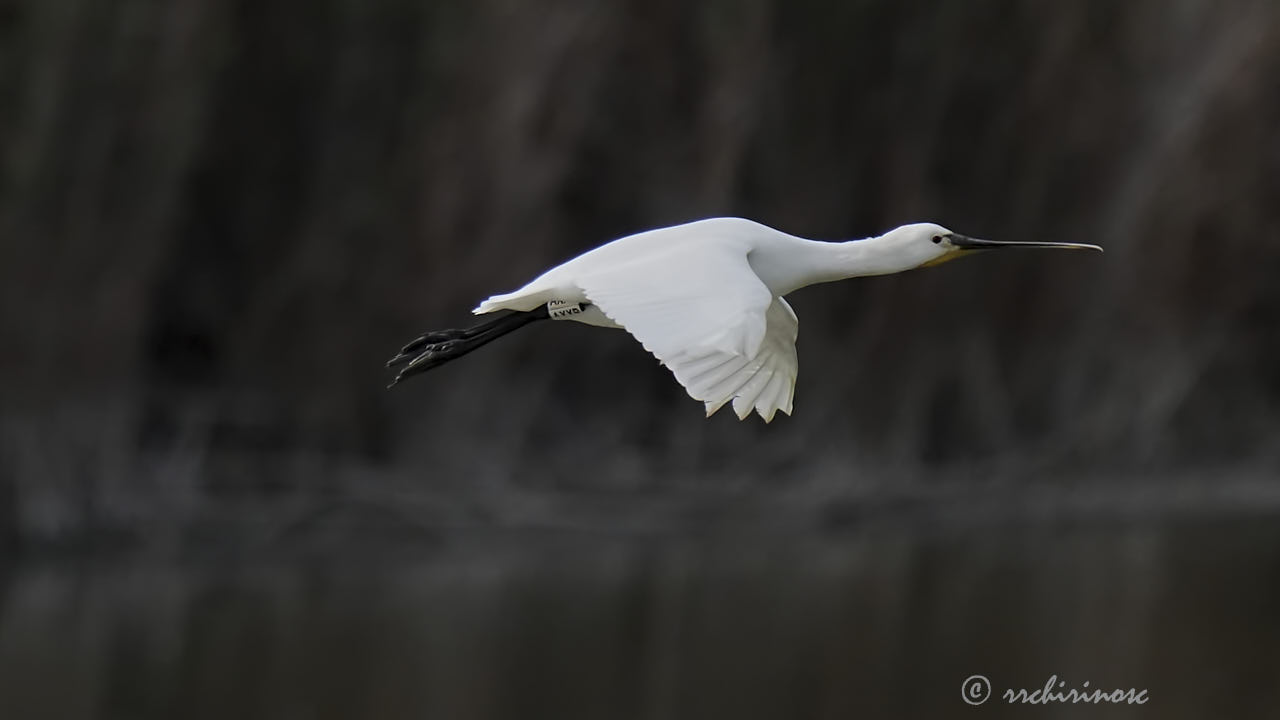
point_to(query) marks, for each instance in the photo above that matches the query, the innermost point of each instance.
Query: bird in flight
(706, 299)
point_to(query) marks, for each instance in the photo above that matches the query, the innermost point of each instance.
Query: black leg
(436, 348)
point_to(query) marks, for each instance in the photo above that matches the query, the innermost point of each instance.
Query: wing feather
(707, 384)
(747, 395)
(705, 314)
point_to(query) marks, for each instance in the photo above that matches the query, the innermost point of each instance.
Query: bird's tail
(521, 300)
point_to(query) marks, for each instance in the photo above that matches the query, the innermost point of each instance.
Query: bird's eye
(937, 239)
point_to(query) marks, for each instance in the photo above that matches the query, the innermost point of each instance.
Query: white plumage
(706, 298)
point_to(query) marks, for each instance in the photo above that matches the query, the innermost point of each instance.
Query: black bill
(967, 243)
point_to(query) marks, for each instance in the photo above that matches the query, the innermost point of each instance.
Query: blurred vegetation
(217, 219)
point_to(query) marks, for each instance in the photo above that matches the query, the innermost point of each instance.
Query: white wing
(702, 311)
(766, 381)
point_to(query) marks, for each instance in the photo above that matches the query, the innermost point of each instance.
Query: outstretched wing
(766, 381)
(705, 314)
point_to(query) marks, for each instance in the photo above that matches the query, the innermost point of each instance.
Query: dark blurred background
(218, 219)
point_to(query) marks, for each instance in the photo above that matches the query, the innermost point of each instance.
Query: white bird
(706, 299)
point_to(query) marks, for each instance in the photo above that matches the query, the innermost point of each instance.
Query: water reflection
(863, 625)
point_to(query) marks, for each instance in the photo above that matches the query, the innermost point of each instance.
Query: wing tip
(714, 406)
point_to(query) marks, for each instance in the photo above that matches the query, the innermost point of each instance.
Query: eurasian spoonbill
(706, 299)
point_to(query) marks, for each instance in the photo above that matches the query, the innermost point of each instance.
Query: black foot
(439, 347)
(425, 356)
(435, 337)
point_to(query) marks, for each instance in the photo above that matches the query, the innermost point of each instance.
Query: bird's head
(927, 244)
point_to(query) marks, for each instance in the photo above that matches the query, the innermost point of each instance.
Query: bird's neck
(857, 258)
(790, 263)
